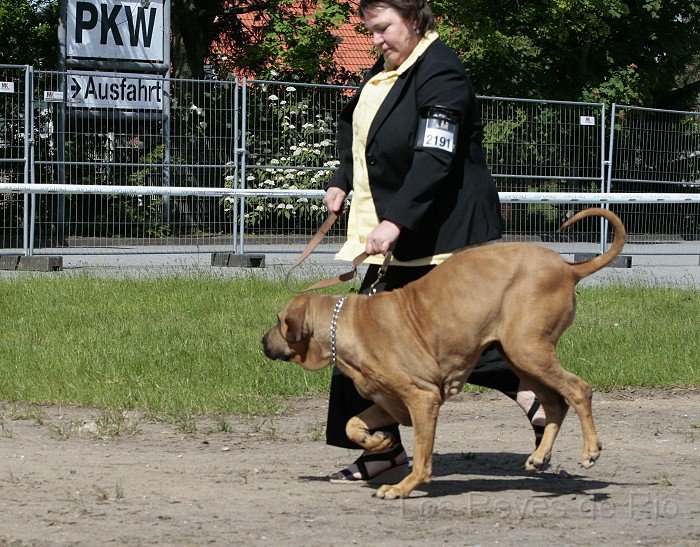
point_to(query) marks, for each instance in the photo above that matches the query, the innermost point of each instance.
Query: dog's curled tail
(583, 269)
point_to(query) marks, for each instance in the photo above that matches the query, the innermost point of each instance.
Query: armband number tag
(437, 133)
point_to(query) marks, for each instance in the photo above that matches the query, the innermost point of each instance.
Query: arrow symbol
(75, 87)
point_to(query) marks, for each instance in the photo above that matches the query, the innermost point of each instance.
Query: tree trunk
(192, 30)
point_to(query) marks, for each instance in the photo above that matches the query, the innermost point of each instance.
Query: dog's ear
(294, 319)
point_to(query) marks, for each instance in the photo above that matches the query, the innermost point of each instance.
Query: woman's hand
(334, 200)
(382, 238)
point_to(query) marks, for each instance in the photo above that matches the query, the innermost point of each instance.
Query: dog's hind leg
(359, 429)
(555, 409)
(539, 361)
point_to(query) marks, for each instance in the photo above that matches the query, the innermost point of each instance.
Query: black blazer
(443, 201)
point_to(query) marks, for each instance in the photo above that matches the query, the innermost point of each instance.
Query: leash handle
(347, 276)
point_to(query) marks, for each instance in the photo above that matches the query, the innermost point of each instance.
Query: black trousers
(491, 370)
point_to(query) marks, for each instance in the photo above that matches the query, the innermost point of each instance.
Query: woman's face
(391, 33)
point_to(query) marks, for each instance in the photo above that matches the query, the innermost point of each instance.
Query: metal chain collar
(334, 326)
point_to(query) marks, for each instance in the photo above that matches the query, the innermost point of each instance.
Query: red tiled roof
(354, 52)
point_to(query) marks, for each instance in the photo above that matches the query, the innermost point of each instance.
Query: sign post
(115, 64)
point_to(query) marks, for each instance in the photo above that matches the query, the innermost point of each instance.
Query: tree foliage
(634, 51)
(627, 51)
(285, 37)
(29, 32)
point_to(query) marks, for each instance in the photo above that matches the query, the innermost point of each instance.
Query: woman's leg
(493, 372)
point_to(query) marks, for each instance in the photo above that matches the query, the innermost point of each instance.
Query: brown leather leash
(346, 276)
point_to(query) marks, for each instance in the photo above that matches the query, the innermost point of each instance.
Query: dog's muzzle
(273, 352)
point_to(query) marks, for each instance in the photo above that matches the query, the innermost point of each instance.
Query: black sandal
(395, 473)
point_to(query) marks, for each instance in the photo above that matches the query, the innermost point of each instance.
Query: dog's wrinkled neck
(334, 328)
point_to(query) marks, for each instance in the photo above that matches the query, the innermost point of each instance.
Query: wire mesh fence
(73, 129)
(14, 166)
(656, 151)
(185, 139)
(543, 146)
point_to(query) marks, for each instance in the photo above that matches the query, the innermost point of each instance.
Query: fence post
(28, 232)
(244, 159)
(603, 221)
(237, 150)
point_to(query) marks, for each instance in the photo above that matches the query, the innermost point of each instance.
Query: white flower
(260, 208)
(203, 125)
(314, 207)
(280, 206)
(273, 98)
(282, 103)
(228, 178)
(303, 200)
(289, 206)
(274, 161)
(325, 142)
(297, 151)
(307, 125)
(250, 177)
(290, 88)
(293, 187)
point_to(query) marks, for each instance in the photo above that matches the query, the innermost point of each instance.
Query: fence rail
(225, 162)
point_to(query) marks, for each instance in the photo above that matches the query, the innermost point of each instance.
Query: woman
(410, 149)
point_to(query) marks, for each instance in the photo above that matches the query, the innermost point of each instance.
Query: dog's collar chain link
(334, 327)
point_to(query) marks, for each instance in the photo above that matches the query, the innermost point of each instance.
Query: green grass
(182, 345)
(625, 336)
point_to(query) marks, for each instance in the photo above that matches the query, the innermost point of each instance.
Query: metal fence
(258, 136)
(654, 151)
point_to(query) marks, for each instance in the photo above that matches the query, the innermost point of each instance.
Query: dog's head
(294, 337)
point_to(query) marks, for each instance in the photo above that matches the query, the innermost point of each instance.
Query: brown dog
(408, 350)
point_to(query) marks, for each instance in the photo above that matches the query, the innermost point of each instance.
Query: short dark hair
(416, 11)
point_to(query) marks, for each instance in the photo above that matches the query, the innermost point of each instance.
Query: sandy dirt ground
(79, 476)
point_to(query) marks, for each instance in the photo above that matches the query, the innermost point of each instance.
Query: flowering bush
(291, 146)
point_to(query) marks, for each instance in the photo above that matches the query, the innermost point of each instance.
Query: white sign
(587, 120)
(7, 87)
(116, 29)
(53, 96)
(95, 90)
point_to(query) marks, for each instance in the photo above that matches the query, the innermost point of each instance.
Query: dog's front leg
(424, 413)
(359, 429)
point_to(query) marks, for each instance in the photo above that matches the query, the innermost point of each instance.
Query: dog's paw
(390, 492)
(379, 441)
(589, 457)
(537, 463)
(589, 460)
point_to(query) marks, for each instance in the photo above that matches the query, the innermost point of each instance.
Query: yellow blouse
(362, 216)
